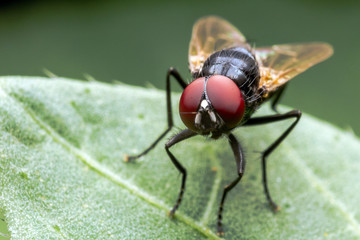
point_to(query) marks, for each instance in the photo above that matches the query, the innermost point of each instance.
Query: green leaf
(62, 174)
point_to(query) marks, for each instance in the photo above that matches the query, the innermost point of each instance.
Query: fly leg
(269, 119)
(185, 134)
(240, 166)
(279, 93)
(171, 72)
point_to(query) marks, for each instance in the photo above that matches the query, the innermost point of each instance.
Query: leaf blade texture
(62, 174)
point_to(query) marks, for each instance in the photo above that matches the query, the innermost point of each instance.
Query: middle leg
(269, 119)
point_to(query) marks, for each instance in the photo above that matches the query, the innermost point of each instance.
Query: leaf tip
(49, 74)
(89, 78)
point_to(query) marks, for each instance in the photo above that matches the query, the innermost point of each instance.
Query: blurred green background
(137, 41)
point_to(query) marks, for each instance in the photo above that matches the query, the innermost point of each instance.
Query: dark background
(136, 41)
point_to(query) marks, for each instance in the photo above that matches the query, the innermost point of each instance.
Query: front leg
(240, 166)
(269, 119)
(185, 134)
(171, 72)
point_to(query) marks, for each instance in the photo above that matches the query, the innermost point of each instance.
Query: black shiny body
(239, 65)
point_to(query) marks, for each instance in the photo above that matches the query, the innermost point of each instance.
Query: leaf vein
(113, 177)
(329, 196)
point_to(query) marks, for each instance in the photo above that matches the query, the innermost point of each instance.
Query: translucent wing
(279, 63)
(211, 34)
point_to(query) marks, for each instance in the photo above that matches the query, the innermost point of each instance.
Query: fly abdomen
(238, 64)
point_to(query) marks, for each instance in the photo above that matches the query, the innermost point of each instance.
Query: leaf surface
(62, 174)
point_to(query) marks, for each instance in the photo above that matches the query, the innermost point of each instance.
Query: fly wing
(280, 63)
(211, 34)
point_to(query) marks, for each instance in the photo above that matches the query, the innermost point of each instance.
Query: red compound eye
(226, 98)
(189, 102)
